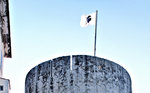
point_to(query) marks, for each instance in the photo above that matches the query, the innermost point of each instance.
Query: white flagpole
(95, 33)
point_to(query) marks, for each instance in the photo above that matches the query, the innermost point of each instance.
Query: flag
(88, 20)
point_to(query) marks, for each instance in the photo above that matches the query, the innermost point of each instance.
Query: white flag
(88, 20)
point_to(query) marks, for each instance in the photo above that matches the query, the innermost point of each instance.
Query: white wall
(6, 85)
(1, 55)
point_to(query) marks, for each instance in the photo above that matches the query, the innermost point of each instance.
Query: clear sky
(45, 29)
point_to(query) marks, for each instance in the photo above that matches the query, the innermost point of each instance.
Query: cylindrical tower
(78, 74)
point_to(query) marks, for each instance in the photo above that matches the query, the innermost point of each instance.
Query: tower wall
(83, 74)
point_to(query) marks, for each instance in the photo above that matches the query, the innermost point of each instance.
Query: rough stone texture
(84, 74)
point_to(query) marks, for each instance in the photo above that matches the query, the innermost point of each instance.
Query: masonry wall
(79, 74)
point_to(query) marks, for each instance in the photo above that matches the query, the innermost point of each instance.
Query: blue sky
(43, 30)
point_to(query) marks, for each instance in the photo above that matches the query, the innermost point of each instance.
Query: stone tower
(78, 74)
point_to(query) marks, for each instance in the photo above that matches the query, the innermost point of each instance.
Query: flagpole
(95, 33)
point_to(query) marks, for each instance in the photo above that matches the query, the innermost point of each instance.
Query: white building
(5, 43)
(4, 85)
